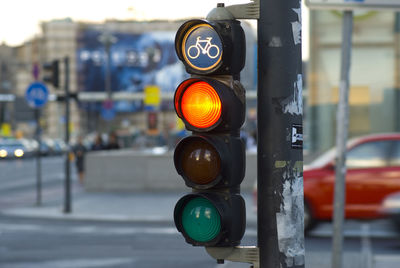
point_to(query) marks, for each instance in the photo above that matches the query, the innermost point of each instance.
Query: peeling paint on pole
(296, 27)
(275, 42)
(294, 104)
(289, 217)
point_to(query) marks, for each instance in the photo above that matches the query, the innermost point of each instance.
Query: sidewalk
(159, 207)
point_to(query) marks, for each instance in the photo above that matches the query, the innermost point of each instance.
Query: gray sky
(20, 19)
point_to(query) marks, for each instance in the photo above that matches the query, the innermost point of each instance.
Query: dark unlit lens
(201, 162)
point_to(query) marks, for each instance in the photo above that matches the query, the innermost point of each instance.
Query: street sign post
(354, 4)
(36, 95)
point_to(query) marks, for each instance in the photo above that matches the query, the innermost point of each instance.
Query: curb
(57, 214)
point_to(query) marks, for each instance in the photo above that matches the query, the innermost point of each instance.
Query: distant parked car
(31, 145)
(13, 149)
(373, 173)
(52, 146)
(45, 149)
(60, 146)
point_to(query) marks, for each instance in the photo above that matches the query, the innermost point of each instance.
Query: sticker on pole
(202, 47)
(297, 136)
(36, 95)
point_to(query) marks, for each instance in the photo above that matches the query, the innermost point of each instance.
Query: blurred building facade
(374, 93)
(142, 54)
(7, 80)
(374, 79)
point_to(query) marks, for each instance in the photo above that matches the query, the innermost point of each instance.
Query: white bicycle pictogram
(203, 45)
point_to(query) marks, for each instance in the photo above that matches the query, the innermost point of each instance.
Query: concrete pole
(280, 140)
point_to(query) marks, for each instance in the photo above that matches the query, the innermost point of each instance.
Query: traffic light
(212, 105)
(211, 47)
(52, 73)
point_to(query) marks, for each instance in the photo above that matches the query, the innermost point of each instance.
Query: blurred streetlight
(107, 39)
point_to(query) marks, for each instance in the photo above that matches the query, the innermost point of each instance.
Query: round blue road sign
(202, 47)
(36, 95)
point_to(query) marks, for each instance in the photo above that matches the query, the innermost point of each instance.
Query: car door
(370, 177)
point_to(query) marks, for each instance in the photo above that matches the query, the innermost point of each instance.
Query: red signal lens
(201, 105)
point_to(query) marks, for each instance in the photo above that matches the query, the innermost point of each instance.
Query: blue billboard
(136, 60)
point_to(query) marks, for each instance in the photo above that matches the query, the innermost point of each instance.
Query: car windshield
(330, 155)
(323, 159)
(11, 144)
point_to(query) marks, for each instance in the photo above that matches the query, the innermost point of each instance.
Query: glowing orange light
(201, 105)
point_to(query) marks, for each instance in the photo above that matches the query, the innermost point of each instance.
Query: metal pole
(397, 71)
(108, 39)
(67, 200)
(38, 160)
(313, 83)
(108, 77)
(341, 139)
(279, 118)
(397, 51)
(108, 67)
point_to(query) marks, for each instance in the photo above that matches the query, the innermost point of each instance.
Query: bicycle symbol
(205, 46)
(38, 94)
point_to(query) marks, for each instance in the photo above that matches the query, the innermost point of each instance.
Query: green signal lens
(201, 220)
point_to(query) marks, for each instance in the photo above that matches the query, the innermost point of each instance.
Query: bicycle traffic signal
(52, 70)
(212, 160)
(211, 47)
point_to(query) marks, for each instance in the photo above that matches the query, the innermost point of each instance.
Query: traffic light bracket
(247, 254)
(249, 10)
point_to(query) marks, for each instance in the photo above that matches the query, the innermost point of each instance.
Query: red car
(373, 172)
